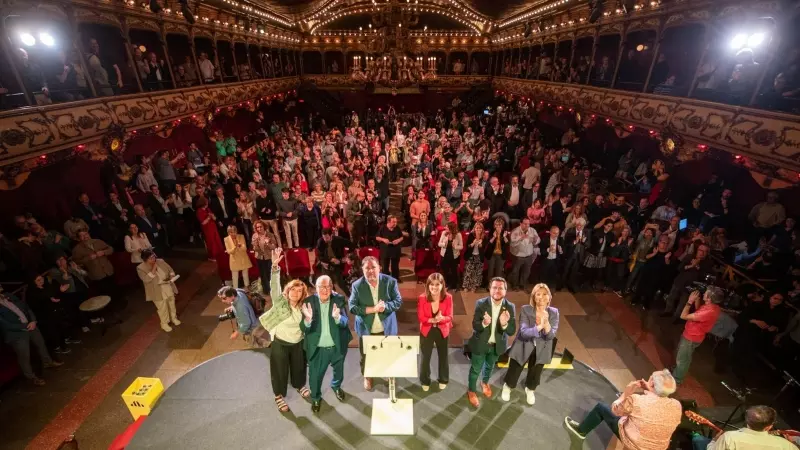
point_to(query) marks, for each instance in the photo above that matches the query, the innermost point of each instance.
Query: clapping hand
(505, 316)
(335, 312)
(308, 313)
(694, 297)
(487, 319)
(381, 306)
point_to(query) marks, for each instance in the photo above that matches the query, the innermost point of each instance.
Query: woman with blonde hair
(236, 248)
(287, 360)
(538, 324)
(450, 246)
(435, 314)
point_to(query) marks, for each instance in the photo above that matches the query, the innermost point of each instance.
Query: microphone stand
(740, 395)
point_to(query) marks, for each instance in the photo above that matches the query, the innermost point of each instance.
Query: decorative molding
(764, 135)
(34, 131)
(441, 81)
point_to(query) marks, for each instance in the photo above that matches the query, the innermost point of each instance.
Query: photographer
(240, 309)
(698, 324)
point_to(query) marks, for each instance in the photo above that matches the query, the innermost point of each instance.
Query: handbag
(279, 312)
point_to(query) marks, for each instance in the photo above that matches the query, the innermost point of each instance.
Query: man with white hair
(326, 336)
(641, 420)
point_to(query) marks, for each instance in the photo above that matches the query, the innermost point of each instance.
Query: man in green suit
(492, 323)
(326, 338)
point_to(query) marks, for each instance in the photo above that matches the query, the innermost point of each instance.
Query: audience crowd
(479, 197)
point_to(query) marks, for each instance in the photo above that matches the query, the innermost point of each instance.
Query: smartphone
(683, 224)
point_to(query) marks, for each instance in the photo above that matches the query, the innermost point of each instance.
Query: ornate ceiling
(481, 14)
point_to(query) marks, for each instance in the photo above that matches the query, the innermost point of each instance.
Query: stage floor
(227, 403)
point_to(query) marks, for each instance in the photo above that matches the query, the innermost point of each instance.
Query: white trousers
(166, 310)
(235, 278)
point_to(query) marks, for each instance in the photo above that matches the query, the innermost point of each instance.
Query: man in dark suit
(149, 226)
(224, 209)
(374, 299)
(513, 196)
(493, 322)
(161, 209)
(494, 193)
(576, 240)
(326, 336)
(19, 330)
(119, 210)
(331, 251)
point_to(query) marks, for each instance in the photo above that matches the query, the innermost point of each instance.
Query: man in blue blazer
(326, 336)
(374, 296)
(492, 324)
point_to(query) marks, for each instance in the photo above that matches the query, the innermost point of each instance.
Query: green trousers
(482, 366)
(318, 365)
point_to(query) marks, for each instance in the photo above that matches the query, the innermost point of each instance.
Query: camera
(701, 285)
(227, 316)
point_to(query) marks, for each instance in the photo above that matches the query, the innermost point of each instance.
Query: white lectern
(391, 357)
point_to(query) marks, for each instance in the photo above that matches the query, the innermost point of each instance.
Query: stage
(227, 403)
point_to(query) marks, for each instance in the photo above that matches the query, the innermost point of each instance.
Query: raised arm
(275, 291)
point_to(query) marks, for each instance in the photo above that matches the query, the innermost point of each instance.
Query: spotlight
(155, 7)
(27, 39)
(186, 11)
(47, 39)
(738, 41)
(755, 40)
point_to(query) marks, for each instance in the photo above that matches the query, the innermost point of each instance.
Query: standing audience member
(263, 243)
(239, 260)
(524, 249)
(136, 242)
(93, 255)
(159, 287)
(19, 329)
(450, 245)
(390, 238)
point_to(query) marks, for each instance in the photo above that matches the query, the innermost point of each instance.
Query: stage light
(47, 39)
(755, 40)
(639, 47)
(142, 48)
(27, 39)
(738, 41)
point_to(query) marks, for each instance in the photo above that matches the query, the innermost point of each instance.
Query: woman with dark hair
(450, 245)
(52, 318)
(209, 226)
(475, 250)
(435, 314)
(600, 241)
(538, 325)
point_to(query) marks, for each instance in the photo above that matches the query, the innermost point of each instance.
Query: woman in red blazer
(435, 314)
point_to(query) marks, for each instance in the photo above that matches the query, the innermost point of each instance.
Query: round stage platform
(227, 403)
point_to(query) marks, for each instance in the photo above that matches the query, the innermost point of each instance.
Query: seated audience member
(759, 323)
(642, 417)
(760, 421)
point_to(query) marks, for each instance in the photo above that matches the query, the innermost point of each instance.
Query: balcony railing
(441, 81)
(767, 136)
(32, 131)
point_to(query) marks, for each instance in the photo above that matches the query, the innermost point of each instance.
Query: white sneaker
(505, 395)
(442, 386)
(425, 388)
(176, 322)
(530, 396)
(166, 327)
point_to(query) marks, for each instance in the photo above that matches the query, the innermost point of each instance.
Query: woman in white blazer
(135, 242)
(450, 246)
(159, 288)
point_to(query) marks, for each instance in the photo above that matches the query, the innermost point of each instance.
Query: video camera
(227, 316)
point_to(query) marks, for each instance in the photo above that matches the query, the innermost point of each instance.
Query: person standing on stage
(538, 325)
(492, 323)
(283, 323)
(643, 420)
(326, 338)
(373, 301)
(435, 314)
